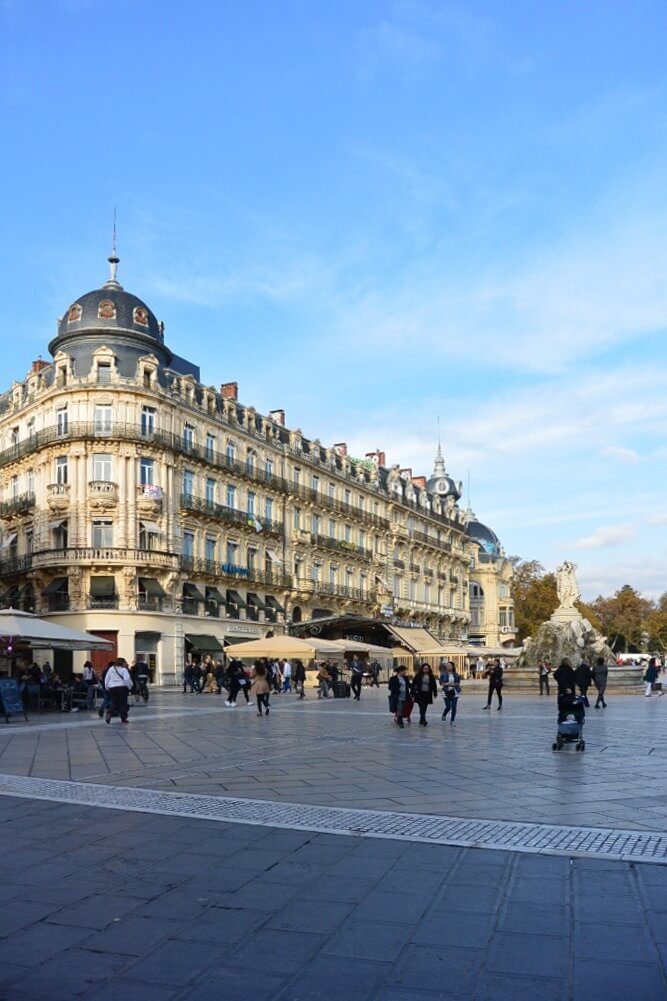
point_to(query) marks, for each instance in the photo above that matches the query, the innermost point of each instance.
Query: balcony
(20, 504)
(150, 603)
(415, 568)
(102, 495)
(102, 601)
(230, 571)
(149, 498)
(345, 591)
(58, 602)
(57, 496)
(230, 515)
(340, 546)
(89, 556)
(399, 564)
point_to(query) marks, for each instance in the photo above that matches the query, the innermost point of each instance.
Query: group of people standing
(576, 679)
(213, 676)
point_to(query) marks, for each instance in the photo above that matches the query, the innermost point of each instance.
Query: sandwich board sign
(11, 703)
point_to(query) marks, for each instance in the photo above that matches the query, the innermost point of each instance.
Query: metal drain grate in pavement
(548, 839)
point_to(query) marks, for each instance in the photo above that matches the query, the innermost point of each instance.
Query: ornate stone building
(141, 504)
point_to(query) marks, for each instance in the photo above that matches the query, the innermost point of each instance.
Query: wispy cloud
(606, 537)
(619, 452)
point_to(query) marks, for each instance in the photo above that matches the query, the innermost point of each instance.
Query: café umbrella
(25, 629)
(286, 646)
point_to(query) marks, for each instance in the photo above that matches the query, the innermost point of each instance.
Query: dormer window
(74, 313)
(106, 310)
(103, 373)
(140, 316)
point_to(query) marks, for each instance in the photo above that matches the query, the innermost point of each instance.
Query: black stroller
(571, 716)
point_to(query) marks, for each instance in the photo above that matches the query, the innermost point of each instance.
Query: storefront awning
(234, 598)
(416, 639)
(273, 603)
(58, 524)
(152, 587)
(272, 556)
(102, 587)
(256, 601)
(191, 591)
(57, 585)
(212, 594)
(204, 644)
(8, 541)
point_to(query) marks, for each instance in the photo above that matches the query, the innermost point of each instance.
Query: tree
(624, 618)
(534, 594)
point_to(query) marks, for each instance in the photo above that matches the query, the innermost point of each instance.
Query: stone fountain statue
(567, 633)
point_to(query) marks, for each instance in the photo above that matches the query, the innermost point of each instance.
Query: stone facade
(140, 503)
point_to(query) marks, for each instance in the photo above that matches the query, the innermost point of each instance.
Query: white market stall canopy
(357, 646)
(417, 639)
(286, 646)
(43, 635)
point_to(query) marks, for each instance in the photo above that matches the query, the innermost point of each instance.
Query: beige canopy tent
(287, 646)
(39, 634)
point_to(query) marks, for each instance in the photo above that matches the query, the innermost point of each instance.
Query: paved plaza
(203, 852)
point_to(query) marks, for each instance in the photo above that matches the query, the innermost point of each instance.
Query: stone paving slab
(410, 921)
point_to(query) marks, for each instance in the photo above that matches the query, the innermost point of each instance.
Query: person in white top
(287, 676)
(118, 683)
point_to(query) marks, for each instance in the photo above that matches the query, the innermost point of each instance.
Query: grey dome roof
(110, 309)
(485, 536)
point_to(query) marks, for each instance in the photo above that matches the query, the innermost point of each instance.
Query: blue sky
(373, 214)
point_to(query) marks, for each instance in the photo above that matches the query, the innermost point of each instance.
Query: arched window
(74, 313)
(106, 310)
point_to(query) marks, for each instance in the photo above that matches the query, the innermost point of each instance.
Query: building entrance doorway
(100, 658)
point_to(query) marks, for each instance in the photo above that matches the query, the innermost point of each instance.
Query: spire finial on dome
(439, 468)
(113, 260)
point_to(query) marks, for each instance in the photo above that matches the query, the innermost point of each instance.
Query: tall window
(251, 502)
(104, 373)
(503, 616)
(231, 496)
(412, 589)
(61, 470)
(348, 534)
(297, 477)
(333, 574)
(363, 582)
(189, 544)
(332, 528)
(268, 469)
(210, 446)
(60, 535)
(146, 471)
(268, 509)
(232, 553)
(332, 491)
(315, 524)
(188, 482)
(188, 437)
(362, 538)
(315, 571)
(230, 451)
(252, 559)
(31, 428)
(102, 534)
(210, 491)
(148, 537)
(361, 503)
(250, 463)
(427, 592)
(14, 487)
(396, 587)
(61, 422)
(315, 483)
(297, 519)
(209, 549)
(103, 418)
(347, 497)
(28, 540)
(30, 481)
(102, 463)
(147, 421)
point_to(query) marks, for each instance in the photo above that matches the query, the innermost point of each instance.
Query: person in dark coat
(564, 676)
(600, 672)
(424, 691)
(583, 678)
(299, 678)
(494, 673)
(399, 693)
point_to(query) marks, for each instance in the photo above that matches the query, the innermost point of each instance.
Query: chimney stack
(419, 481)
(230, 391)
(377, 457)
(278, 417)
(341, 448)
(39, 365)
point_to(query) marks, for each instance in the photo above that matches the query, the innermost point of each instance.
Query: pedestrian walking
(189, 677)
(451, 688)
(260, 686)
(564, 676)
(324, 678)
(375, 669)
(220, 676)
(105, 704)
(424, 691)
(287, 676)
(543, 671)
(118, 684)
(583, 678)
(650, 677)
(600, 672)
(399, 693)
(356, 677)
(299, 678)
(494, 673)
(90, 681)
